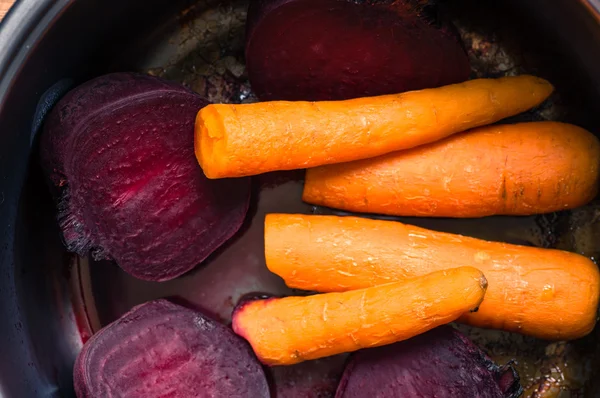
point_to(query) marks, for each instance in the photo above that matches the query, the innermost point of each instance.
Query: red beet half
(441, 363)
(119, 153)
(162, 349)
(339, 49)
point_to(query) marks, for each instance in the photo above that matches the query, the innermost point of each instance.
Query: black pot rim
(20, 32)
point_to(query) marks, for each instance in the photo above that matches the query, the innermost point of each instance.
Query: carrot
(241, 140)
(545, 293)
(285, 331)
(520, 169)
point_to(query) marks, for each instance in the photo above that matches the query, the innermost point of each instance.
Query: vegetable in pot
(162, 349)
(118, 151)
(332, 49)
(240, 140)
(549, 294)
(289, 330)
(519, 169)
(441, 363)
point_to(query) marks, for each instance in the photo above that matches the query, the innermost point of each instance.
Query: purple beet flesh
(441, 363)
(119, 153)
(161, 349)
(339, 49)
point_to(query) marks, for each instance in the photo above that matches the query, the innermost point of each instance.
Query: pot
(52, 301)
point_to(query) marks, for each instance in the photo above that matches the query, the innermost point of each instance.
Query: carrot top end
(209, 140)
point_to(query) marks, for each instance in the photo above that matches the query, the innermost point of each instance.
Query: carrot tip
(210, 132)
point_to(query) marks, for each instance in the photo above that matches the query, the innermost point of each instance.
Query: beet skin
(340, 49)
(441, 363)
(161, 349)
(119, 153)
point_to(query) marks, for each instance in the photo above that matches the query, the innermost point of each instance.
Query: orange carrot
(545, 293)
(285, 331)
(520, 169)
(241, 140)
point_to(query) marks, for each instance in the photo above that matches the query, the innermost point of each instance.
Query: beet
(119, 153)
(441, 363)
(162, 349)
(340, 49)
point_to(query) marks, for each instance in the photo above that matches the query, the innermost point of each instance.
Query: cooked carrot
(520, 169)
(240, 140)
(285, 331)
(545, 293)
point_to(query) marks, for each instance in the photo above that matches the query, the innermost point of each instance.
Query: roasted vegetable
(240, 140)
(332, 49)
(162, 349)
(289, 330)
(118, 151)
(545, 293)
(441, 363)
(518, 169)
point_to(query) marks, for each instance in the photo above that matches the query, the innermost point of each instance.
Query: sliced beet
(340, 49)
(441, 363)
(119, 153)
(162, 349)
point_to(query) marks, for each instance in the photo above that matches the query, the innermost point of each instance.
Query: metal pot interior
(64, 299)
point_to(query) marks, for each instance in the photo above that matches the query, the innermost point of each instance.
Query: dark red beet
(441, 363)
(119, 151)
(161, 349)
(338, 49)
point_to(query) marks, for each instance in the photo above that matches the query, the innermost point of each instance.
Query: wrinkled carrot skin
(285, 331)
(521, 169)
(240, 140)
(549, 294)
